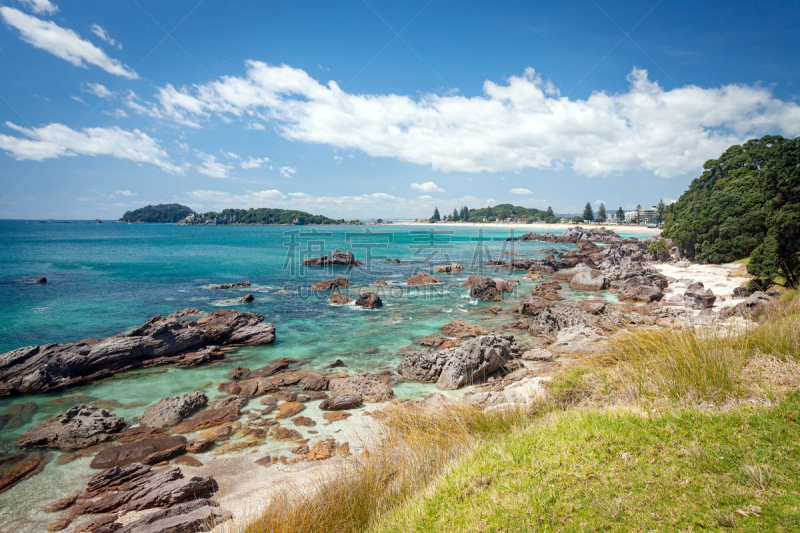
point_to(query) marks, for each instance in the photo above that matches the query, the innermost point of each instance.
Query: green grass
(588, 470)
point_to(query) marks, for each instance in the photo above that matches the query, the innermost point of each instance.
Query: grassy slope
(589, 470)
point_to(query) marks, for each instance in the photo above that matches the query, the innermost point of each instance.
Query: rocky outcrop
(639, 289)
(572, 235)
(550, 321)
(423, 278)
(751, 308)
(247, 298)
(533, 306)
(370, 387)
(453, 368)
(697, 299)
(337, 258)
(505, 285)
(41, 280)
(193, 515)
(484, 289)
(455, 268)
(369, 300)
(80, 427)
(459, 328)
(160, 340)
(188, 312)
(577, 338)
(434, 340)
(136, 451)
(589, 280)
(329, 284)
(208, 418)
(236, 285)
(593, 307)
(171, 411)
(338, 403)
(339, 299)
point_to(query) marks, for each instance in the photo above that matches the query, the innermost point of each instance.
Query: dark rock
(41, 280)
(639, 289)
(475, 360)
(371, 387)
(80, 427)
(136, 451)
(194, 515)
(231, 285)
(336, 364)
(344, 401)
(740, 293)
(246, 298)
(274, 366)
(337, 258)
(189, 311)
(17, 415)
(240, 373)
(164, 455)
(484, 289)
(331, 284)
(171, 411)
(194, 446)
(369, 300)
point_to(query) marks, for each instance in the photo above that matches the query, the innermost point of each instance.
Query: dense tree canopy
(264, 215)
(158, 213)
(601, 211)
(746, 202)
(588, 214)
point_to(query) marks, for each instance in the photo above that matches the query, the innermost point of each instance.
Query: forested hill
(158, 213)
(746, 203)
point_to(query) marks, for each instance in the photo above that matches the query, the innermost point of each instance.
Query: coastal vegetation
(498, 212)
(746, 204)
(165, 213)
(664, 429)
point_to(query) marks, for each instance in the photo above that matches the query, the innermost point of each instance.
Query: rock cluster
(337, 258)
(160, 340)
(455, 268)
(483, 289)
(329, 284)
(80, 427)
(171, 411)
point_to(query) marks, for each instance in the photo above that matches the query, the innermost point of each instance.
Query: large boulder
(423, 278)
(548, 322)
(331, 284)
(751, 308)
(370, 387)
(475, 360)
(484, 289)
(424, 365)
(699, 299)
(589, 280)
(459, 328)
(369, 300)
(639, 289)
(533, 306)
(337, 258)
(80, 427)
(160, 340)
(171, 411)
(339, 299)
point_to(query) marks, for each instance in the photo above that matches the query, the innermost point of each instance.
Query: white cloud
(524, 123)
(229, 155)
(428, 186)
(103, 34)
(521, 191)
(119, 113)
(41, 6)
(125, 193)
(56, 140)
(78, 99)
(211, 167)
(598, 202)
(299, 194)
(268, 195)
(254, 163)
(62, 42)
(338, 158)
(287, 172)
(255, 126)
(97, 89)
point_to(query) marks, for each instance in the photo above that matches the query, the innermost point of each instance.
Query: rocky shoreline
(507, 357)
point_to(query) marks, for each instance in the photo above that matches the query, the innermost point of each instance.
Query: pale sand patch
(640, 230)
(714, 277)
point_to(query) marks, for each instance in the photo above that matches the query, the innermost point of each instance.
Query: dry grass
(415, 447)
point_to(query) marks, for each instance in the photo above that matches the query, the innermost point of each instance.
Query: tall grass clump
(679, 364)
(414, 447)
(778, 334)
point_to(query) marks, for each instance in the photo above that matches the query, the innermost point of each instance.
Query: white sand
(641, 230)
(714, 277)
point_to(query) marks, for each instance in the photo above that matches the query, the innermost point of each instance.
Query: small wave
(447, 310)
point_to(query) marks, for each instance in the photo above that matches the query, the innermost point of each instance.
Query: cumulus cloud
(62, 42)
(211, 167)
(428, 186)
(522, 123)
(521, 191)
(254, 163)
(41, 6)
(287, 172)
(103, 34)
(56, 140)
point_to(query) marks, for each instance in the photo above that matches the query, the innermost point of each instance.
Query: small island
(185, 216)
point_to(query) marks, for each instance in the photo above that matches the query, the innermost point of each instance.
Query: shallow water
(108, 278)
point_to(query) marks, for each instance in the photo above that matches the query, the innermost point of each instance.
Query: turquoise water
(108, 278)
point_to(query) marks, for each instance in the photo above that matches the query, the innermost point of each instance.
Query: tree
(620, 216)
(600, 220)
(638, 214)
(435, 217)
(379, 221)
(464, 213)
(489, 213)
(550, 212)
(455, 214)
(501, 214)
(601, 212)
(577, 219)
(588, 214)
(660, 209)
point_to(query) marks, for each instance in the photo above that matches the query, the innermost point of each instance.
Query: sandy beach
(639, 230)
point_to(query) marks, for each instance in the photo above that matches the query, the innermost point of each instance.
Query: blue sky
(381, 109)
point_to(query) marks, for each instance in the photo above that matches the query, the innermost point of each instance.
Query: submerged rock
(80, 427)
(18, 468)
(171, 411)
(231, 285)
